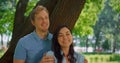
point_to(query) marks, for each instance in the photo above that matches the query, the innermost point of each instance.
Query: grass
(103, 58)
(1, 53)
(95, 58)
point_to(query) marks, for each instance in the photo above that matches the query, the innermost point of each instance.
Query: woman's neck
(65, 51)
(41, 34)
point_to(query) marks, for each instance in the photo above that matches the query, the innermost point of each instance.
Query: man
(32, 47)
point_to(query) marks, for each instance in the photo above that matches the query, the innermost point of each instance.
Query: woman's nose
(64, 37)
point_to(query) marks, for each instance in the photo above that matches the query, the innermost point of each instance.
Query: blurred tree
(107, 25)
(106, 45)
(6, 18)
(61, 12)
(87, 19)
(115, 4)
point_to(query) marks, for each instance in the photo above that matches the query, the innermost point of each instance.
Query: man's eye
(39, 18)
(46, 17)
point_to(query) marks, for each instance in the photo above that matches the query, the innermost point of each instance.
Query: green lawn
(103, 58)
(1, 53)
(96, 58)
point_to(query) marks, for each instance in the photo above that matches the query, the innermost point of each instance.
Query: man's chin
(45, 30)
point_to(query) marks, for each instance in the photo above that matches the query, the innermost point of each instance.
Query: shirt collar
(62, 52)
(49, 36)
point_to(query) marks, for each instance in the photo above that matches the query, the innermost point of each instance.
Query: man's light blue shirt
(31, 47)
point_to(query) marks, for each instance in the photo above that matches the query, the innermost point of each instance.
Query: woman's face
(65, 37)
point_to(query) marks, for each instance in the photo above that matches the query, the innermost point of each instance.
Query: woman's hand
(47, 59)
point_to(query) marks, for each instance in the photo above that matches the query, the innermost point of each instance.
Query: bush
(102, 58)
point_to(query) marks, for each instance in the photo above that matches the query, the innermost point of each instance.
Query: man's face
(41, 21)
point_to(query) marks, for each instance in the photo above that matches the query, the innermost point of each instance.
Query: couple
(33, 47)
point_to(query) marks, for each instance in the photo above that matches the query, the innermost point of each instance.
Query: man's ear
(32, 23)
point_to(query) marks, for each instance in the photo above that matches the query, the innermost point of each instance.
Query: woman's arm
(18, 61)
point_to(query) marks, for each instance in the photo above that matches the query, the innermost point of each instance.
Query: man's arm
(20, 53)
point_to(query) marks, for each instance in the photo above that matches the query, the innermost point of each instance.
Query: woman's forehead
(64, 29)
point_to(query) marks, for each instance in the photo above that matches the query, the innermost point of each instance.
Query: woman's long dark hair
(57, 49)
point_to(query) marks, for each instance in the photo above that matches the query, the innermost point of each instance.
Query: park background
(96, 31)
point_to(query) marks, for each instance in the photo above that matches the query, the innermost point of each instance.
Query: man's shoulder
(26, 38)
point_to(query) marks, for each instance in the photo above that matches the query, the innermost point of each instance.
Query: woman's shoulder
(79, 57)
(78, 54)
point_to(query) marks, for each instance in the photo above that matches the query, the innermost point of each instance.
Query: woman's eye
(67, 34)
(60, 35)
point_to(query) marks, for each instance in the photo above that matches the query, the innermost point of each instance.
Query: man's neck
(42, 34)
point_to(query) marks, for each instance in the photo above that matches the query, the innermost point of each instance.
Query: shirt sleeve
(20, 51)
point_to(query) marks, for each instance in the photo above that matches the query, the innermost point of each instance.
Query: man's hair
(35, 11)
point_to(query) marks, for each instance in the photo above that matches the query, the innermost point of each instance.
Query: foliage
(6, 17)
(88, 17)
(101, 19)
(1, 53)
(7, 13)
(116, 5)
(30, 6)
(106, 45)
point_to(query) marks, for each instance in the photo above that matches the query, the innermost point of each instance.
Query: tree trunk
(96, 41)
(114, 46)
(17, 29)
(114, 42)
(66, 12)
(87, 44)
(61, 12)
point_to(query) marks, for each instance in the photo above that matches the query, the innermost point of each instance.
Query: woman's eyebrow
(65, 32)
(68, 32)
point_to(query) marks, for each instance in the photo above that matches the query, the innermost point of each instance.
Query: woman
(62, 46)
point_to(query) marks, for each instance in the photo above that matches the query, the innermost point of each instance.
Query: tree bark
(18, 23)
(87, 44)
(60, 11)
(66, 12)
